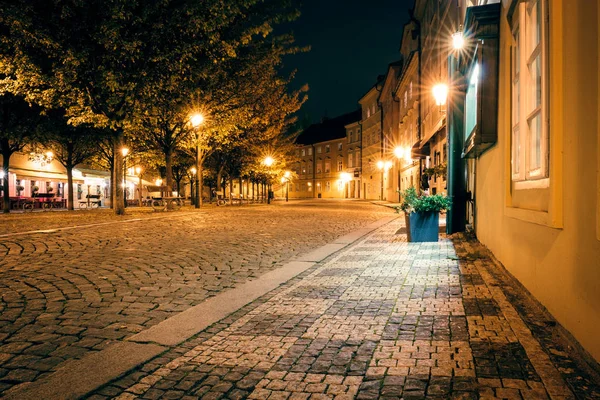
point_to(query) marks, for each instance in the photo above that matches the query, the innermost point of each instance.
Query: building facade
(533, 153)
(372, 151)
(324, 168)
(390, 112)
(354, 160)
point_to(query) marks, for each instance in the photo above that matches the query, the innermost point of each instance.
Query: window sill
(535, 217)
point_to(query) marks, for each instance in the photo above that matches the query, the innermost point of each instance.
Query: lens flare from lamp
(387, 165)
(380, 164)
(268, 161)
(398, 152)
(458, 40)
(196, 120)
(440, 93)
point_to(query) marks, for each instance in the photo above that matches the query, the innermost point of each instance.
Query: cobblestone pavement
(66, 293)
(380, 319)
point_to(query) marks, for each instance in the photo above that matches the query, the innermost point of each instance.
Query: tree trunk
(230, 187)
(5, 165)
(118, 186)
(69, 167)
(219, 177)
(70, 203)
(169, 167)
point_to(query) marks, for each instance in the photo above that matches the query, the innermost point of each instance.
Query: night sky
(352, 41)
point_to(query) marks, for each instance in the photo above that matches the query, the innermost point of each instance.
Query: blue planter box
(423, 227)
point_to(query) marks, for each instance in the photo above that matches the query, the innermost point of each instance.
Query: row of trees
(89, 77)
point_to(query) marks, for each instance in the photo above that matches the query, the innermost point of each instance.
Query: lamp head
(196, 119)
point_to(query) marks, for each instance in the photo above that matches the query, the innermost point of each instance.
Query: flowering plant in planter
(422, 214)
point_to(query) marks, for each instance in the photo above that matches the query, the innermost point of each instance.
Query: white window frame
(525, 109)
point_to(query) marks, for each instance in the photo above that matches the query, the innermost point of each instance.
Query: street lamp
(268, 162)
(193, 171)
(458, 40)
(440, 94)
(196, 120)
(124, 151)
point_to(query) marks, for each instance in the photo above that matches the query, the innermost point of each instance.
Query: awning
(420, 152)
(42, 175)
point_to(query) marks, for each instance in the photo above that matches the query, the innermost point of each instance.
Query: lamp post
(193, 170)
(268, 162)
(196, 120)
(124, 151)
(286, 176)
(380, 165)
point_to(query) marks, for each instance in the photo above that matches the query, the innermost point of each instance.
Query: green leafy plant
(35, 189)
(413, 202)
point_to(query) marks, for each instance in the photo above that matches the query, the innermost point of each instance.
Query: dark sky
(352, 41)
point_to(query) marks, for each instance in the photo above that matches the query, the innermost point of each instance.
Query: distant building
(322, 153)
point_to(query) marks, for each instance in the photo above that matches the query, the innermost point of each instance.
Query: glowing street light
(196, 119)
(268, 161)
(158, 182)
(440, 93)
(458, 40)
(399, 152)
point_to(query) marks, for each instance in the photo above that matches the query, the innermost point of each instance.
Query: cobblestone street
(381, 318)
(66, 293)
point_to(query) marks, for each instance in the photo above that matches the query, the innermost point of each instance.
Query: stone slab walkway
(382, 318)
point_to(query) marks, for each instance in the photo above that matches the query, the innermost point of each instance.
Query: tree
(181, 168)
(71, 145)
(18, 128)
(96, 58)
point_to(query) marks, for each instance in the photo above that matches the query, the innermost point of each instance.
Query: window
(405, 99)
(350, 156)
(471, 102)
(340, 165)
(410, 92)
(327, 166)
(327, 186)
(327, 148)
(529, 135)
(319, 149)
(340, 147)
(309, 168)
(319, 167)
(303, 168)
(310, 151)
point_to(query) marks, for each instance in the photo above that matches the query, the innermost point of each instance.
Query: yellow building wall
(556, 257)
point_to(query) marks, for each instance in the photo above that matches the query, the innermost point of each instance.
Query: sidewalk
(381, 318)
